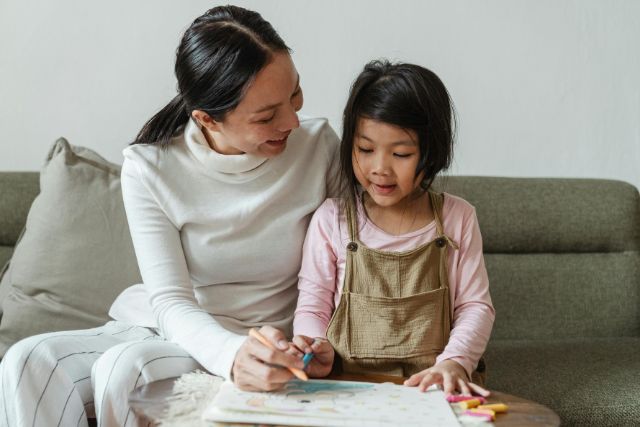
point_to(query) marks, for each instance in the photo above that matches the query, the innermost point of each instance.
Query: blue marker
(306, 359)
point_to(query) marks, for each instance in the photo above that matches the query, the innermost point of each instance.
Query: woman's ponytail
(165, 124)
(218, 56)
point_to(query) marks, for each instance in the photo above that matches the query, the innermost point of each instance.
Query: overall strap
(437, 203)
(351, 212)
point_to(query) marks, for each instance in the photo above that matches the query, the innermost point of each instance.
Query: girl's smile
(385, 158)
(384, 190)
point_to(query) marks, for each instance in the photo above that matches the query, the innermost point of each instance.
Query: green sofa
(563, 257)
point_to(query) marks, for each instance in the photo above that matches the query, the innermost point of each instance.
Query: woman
(218, 188)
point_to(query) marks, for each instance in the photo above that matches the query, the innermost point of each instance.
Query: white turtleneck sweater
(219, 238)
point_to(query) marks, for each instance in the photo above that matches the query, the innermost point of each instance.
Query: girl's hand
(450, 375)
(322, 362)
(260, 368)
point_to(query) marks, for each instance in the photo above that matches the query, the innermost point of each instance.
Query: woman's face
(265, 117)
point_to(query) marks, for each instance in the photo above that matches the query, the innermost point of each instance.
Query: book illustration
(308, 396)
(339, 403)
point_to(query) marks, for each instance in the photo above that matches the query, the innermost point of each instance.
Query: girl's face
(265, 117)
(384, 159)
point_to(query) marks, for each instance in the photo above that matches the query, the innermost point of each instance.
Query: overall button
(352, 246)
(441, 242)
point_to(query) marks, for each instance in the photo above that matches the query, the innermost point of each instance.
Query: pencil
(295, 371)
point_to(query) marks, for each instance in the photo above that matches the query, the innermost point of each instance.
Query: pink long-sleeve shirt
(323, 268)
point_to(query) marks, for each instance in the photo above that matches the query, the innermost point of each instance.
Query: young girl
(393, 279)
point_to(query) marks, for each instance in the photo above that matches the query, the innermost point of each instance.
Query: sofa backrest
(563, 255)
(17, 191)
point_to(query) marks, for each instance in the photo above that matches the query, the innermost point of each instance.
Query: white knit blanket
(192, 392)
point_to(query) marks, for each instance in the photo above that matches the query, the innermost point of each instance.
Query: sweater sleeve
(164, 271)
(317, 280)
(473, 312)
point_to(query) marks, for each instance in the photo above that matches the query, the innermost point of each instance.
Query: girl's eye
(403, 156)
(365, 150)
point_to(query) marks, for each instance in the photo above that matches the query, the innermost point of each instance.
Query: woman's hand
(322, 362)
(260, 368)
(450, 375)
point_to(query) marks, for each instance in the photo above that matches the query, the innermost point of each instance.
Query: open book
(333, 403)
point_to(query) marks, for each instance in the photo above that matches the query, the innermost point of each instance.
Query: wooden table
(150, 402)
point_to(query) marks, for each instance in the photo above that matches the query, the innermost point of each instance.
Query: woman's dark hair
(408, 96)
(218, 57)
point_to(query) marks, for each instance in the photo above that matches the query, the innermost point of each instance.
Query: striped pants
(64, 378)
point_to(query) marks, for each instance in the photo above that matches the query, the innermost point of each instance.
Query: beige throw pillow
(76, 253)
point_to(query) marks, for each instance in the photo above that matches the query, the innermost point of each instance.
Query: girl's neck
(410, 214)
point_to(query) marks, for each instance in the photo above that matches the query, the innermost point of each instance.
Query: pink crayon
(485, 416)
(461, 398)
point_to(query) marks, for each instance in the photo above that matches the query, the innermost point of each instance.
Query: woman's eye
(403, 155)
(265, 121)
(365, 150)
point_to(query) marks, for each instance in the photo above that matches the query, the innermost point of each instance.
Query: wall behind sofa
(542, 88)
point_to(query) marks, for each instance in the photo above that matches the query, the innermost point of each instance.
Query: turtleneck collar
(214, 161)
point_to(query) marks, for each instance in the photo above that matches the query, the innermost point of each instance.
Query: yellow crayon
(468, 404)
(497, 407)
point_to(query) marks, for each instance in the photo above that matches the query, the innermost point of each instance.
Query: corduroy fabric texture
(587, 381)
(5, 255)
(538, 215)
(565, 295)
(563, 258)
(17, 191)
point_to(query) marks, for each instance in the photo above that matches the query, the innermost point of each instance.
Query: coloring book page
(333, 403)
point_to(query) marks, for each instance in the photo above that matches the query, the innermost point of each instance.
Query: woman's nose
(289, 121)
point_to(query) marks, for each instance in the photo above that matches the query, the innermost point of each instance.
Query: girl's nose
(381, 165)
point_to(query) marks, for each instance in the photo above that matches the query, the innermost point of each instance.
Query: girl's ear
(205, 120)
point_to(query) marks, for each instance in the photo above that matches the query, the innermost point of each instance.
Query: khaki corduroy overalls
(393, 317)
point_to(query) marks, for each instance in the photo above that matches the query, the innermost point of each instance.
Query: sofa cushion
(5, 287)
(76, 253)
(5, 255)
(17, 191)
(537, 215)
(565, 295)
(581, 379)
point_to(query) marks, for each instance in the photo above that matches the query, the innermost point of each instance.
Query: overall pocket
(390, 328)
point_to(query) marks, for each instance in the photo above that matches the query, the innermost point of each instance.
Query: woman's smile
(278, 142)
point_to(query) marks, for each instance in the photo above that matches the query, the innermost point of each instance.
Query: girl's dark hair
(218, 57)
(408, 96)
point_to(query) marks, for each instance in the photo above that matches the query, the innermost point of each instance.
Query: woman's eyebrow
(272, 106)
